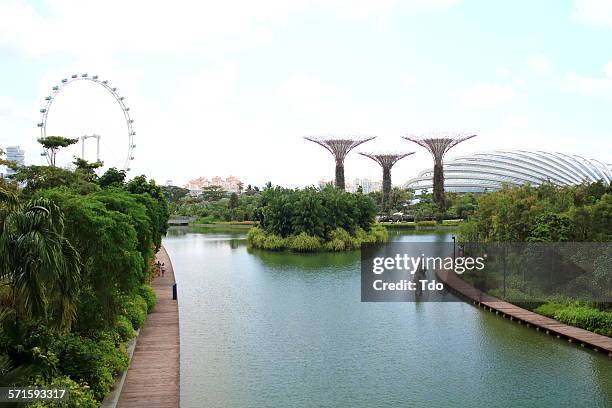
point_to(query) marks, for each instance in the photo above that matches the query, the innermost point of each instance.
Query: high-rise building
(367, 185)
(16, 154)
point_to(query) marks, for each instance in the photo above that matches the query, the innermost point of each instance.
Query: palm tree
(38, 265)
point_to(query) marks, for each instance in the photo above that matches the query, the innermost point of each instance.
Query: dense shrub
(549, 309)
(274, 242)
(339, 240)
(303, 243)
(80, 395)
(578, 315)
(147, 293)
(124, 329)
(135, 309)
(94, 361)
(256, 237)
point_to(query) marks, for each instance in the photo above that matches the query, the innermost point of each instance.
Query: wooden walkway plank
(573, 334)
(153, 376)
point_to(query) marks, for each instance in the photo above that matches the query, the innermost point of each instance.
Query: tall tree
(52, 144)
(112, 178)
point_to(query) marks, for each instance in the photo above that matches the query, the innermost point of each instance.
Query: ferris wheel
(113, 91)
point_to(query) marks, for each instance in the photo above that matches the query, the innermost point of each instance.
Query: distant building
(367, 185)
(16, 154)
(230, 184)
(168, 183)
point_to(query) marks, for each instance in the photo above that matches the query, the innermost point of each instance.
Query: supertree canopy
(438, 145)
(339, 147)
(386, 161)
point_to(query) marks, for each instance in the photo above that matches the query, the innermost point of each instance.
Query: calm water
(285, 330)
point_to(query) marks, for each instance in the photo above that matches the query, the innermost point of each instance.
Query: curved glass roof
(486, 171)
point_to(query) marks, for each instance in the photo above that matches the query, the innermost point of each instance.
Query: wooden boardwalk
(153, 377)
(507, 310)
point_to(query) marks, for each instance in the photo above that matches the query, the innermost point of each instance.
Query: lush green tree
(174, 194)
(108, 244)
(86, 169)
(317, 212)
(466, 205)
(212, 193)
(52, 144)
(112, 178)
(140, 185)
(233, 201)
(549, 227)
(38, 178)
(37, 261)
(545, 213)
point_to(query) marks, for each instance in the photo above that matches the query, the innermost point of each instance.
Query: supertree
(386, 161)
(438, 145)
(339, 147)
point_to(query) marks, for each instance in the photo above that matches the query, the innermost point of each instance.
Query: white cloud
(75, 27)
(595, 12)
(585, 86)
(488, 95)
(539, 64)
(608, 69)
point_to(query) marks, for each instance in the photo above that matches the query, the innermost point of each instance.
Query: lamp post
(454, 245)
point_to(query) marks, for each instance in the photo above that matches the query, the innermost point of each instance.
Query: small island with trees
(312, 220)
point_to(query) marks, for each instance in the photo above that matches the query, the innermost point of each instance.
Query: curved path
(550, 326)
(153, 377)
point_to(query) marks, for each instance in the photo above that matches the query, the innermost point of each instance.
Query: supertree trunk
(386, 189)
(438, 146)
(438, 187)
(386, 161)
(340, 176)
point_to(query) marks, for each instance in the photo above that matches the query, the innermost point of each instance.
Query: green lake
(261, 329)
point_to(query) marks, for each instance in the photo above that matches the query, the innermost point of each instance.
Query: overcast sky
(230, 87)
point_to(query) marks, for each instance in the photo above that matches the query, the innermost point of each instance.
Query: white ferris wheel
(130, 133)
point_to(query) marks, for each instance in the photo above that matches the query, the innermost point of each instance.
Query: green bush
(549, 309)
(380, 233)
(93, 361)
(135, 309)
(340, 234)
(586, 318)
(124, 329)
(303, 243)
(256, 237)
(577, 315)
(147, 293)
(335, 245)
(80, 395)
(274, 243)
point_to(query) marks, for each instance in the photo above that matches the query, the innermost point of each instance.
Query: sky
(231, 87)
